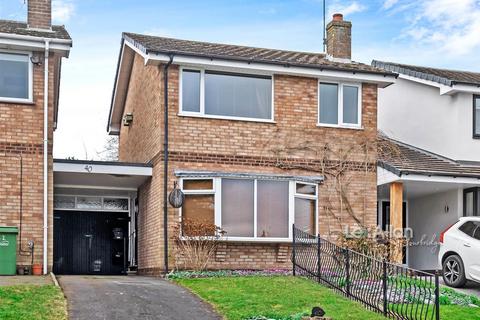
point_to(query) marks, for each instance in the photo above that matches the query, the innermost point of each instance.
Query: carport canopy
(100, 174)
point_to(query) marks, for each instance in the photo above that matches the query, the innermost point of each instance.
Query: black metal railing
(395, 291)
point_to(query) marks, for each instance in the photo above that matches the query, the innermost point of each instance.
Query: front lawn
(239, 298)
(30, 302)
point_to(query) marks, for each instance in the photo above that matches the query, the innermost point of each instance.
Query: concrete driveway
(471, 288)
(131, 297)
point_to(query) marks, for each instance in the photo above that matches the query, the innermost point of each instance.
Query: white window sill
(195, 115)
(341, 126)
(16, 100)
(247, 239)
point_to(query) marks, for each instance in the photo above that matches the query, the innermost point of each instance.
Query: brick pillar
(39, 14)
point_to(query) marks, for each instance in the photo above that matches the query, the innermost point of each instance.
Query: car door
(468, 248)
(474, 268)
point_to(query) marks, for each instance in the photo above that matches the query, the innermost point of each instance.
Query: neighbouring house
(30, 64)
(432, 118)
(72, 216)
(258, 139)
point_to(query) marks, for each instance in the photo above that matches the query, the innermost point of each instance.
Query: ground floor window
(251, 208)
(470, 202)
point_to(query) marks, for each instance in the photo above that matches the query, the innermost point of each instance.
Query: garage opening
(95, 208)
(91, 235)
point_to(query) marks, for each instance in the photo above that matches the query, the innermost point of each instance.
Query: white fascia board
(385, 177)
(102, 169)
(34, 43)
(264, 68)
(444, 89)
(445, 179)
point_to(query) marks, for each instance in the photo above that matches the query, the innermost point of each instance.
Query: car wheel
(454, 272)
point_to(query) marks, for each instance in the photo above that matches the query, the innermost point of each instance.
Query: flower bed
(228, 273)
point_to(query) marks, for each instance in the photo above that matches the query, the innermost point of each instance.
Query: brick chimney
(339, 38)
(39, 14)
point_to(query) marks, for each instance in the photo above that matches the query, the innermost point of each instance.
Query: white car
(459, 253)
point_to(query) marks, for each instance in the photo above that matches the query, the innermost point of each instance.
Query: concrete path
(131, 297)
(471, 288)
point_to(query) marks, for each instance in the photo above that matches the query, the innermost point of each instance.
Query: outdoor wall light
(127, 119)
(35, 59)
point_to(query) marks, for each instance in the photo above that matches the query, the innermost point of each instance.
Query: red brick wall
(21, 128)
(240, 146)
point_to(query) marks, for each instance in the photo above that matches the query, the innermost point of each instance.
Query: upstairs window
(215, 94)
(339, 105)
(476, 117)
(15, 77)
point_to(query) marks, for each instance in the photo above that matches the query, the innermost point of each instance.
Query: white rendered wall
(427, 218)
(418, 115)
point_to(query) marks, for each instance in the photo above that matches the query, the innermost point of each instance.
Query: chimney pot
(39, 14)
(339, 38)
(337, 17)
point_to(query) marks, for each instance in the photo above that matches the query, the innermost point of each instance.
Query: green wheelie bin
(8, 251)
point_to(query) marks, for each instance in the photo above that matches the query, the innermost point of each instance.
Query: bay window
(339, 104)
(251, 208)
(214, 94)
(15, 77)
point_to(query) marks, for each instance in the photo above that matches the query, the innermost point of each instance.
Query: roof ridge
(228, 44)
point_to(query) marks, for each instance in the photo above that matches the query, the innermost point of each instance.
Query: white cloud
(387, 4)
(62, 10)
(448, 26)
(345, 8)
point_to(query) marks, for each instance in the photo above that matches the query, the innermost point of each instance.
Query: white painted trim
(443, 89)
(446, 179)
(102, 169)
(385, 177)
(80, 186)
(202, 114)
(246, 67)
(30, 77)
(340, 123)
(45, 157)
(217, 193)
(35, 43)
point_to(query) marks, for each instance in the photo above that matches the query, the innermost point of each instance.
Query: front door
(90, 242)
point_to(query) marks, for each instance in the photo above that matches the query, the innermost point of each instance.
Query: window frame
(29, 99)
(476, 192)
(217, 194)
(340, 123)
(475, 134)
(201, 113)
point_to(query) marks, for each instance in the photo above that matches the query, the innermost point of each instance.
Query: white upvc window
(226, 95)
(340, 104)
(16, 77)
(251, 209)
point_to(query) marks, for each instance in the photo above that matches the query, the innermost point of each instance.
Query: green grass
(242, 297)
(238, 298)
(27, 302)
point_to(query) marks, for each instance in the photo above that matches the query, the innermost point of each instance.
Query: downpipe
(45, 159)
(165, 163)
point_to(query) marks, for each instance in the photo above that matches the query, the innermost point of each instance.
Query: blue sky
(441, 33)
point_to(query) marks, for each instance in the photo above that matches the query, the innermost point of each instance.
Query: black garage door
(90, 242)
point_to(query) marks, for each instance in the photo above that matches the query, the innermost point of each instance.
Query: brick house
(30, 64)
(252, 136)
(68, 209)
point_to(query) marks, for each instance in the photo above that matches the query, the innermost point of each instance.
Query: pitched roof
(443, 76)
(20, 28)
(153, 44)
(401, 158)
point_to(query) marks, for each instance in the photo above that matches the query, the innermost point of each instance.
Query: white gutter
(45, 160)
(14, 40)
